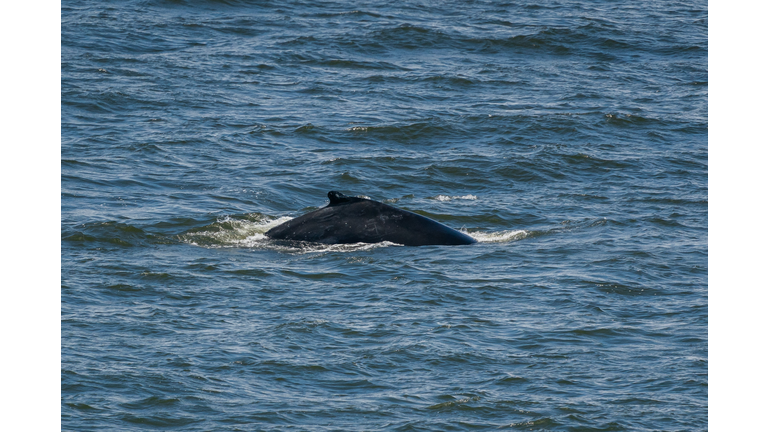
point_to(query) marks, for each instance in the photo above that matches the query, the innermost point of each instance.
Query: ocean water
(568, 137)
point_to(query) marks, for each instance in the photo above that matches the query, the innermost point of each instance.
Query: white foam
(250, 241)
(499, 237)
(351, 247)
(450, 198)
(242, 232)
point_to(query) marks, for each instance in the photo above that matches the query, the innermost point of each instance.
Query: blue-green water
(568, 137)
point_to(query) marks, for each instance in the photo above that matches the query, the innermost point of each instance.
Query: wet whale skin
(359, 220)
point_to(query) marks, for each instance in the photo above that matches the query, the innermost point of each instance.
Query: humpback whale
(358, 220)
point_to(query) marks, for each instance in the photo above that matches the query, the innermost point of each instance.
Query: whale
(348, 219)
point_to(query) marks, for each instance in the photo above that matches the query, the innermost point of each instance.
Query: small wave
(229, 232)
(112, 232)
(307, 128)
(543, 423)
(628, 120)
(499, 237)
(409, 132)
(451, 198)
(354, 12)
(358, 64)
(453, 404)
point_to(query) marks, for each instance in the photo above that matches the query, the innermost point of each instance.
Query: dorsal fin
(337, 197)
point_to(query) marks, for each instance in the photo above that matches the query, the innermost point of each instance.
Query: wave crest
(229, 232)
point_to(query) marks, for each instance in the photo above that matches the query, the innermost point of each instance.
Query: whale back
(359, 220)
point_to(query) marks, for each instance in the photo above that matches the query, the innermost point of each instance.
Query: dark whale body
(359, 220)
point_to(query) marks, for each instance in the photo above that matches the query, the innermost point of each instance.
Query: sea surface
(568, 137)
